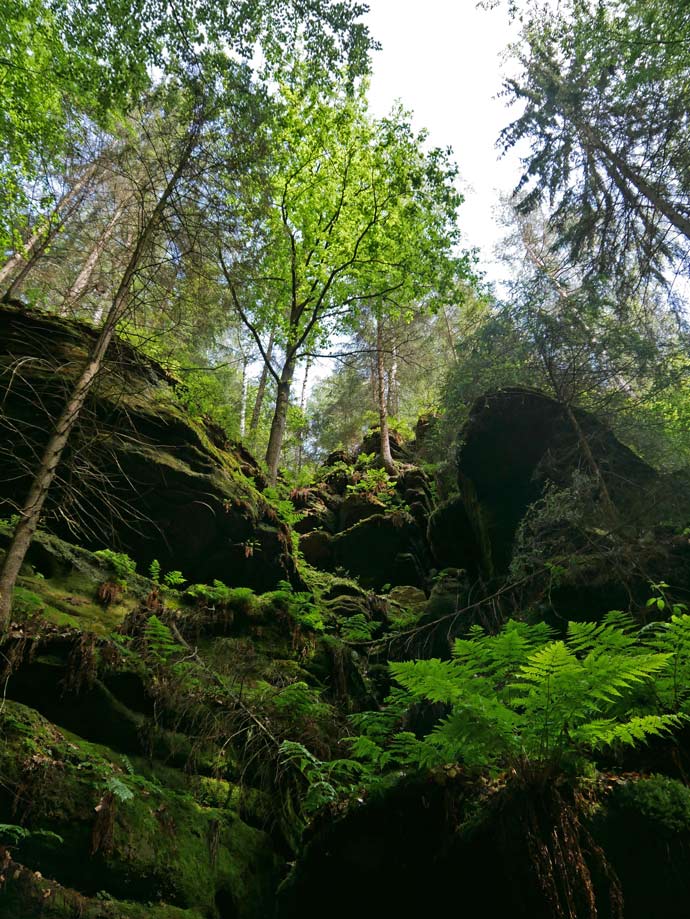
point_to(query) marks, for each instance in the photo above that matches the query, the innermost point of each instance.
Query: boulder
(517, 442)
(382, 549)
(357, 507)
(453, 539)
(442, 837)
(372, 444)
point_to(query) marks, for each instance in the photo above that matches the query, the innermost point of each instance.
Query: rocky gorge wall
(141, 725)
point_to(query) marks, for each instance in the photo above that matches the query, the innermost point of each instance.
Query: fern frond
(607, 731)
(366, 750)
(602, 636)
(624, 622)
(407, 750)
(432, 679)
(610, 675)
(548, 662)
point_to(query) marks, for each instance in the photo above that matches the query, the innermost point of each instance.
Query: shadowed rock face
(376, 542)
(434, 840)
(140, 475)
(516, 440)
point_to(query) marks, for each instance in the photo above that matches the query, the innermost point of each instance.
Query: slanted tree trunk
(386, 455)
(279, 423)
(607, 501)
(20, 264)
(81, 281)
(45, 474)
(563, 399)
(261, 391)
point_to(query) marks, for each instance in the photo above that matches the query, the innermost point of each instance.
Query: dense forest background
(307, 274)
(313, 533)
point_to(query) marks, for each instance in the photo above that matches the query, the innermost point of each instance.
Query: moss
(145, 436)
(662, 802)
(26, 893)
(156, 841)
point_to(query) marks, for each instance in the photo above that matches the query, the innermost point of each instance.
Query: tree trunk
(302, 403)
(452, 344)
(392, 400)
(31, 511)
(24, 260)
(261, 391)
(279, 423)
(82, 279)
(638, 181)
(386, 455)
(243, 404)
(563, 400)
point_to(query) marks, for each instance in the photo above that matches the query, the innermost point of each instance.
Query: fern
(12, 834)
(615, 633)
(326, 781)
(119, 562)
(522, 696)
(673, 638)
(300, 701)
(433, 680)
(174, 579)
(606, 731)
(119, 789)
(357, 628)
(161, 645)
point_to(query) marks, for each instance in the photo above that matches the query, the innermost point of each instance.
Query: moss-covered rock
(125, 834)
(140, 474)
(444, 837)
(519, 441)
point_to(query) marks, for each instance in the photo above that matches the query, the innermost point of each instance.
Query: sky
(442, 59)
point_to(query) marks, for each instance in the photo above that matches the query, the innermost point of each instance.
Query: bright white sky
(442, 59)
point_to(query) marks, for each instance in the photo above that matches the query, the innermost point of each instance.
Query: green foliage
(11, 835)
(219, 594)
(374, 482)
(672, 687)
(119, 562)
(9, 523)
(615, 172)
(357, 628)
(118, 788)
(279, 497)
(155, 571)
(524, 697)
(300, 701)
(663, 801)
(160, 644)
(326, 781)
(174, 579)
(300, 606)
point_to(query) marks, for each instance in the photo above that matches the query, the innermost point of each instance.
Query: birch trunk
(261, 391)
(81, 281)
(386, 455)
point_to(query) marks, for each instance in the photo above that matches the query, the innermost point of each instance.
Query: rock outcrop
(376, 534)
(141, 475)
(554, 499)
